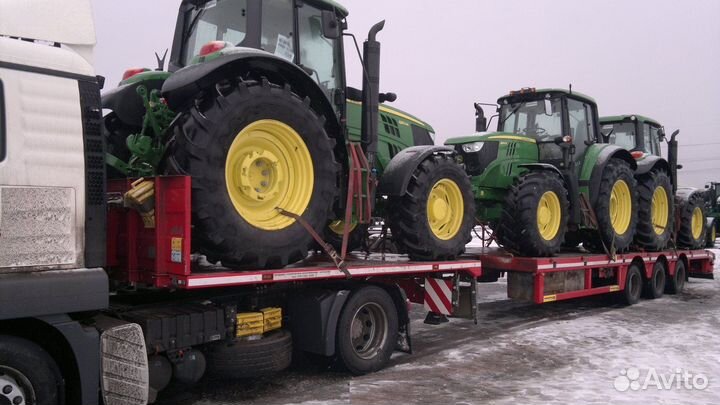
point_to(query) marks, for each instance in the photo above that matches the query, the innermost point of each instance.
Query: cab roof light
(133, 72)
(524, 90)
(212, 47)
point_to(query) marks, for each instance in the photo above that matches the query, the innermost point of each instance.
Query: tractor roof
(322, 4)
(531, 93)
(629, 117)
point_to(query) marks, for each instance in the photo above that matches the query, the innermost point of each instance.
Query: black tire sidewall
(645, 236)
(685, 236)
(615, 170)
(35, 364)
(251, 358)
(352, 362)
(633, 273)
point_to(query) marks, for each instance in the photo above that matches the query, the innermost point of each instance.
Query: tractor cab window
(623, 134)
(277, 28)
(320, 57)
(650, 137)
(581, 124)
(218, 20)
(530, 118)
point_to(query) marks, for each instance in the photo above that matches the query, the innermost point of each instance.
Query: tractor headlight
(472, 147)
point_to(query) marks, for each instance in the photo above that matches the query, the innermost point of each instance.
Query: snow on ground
(574, 352)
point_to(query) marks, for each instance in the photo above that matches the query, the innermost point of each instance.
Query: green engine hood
(489, 137)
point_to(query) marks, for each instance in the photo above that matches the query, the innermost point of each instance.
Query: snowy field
(588, 351)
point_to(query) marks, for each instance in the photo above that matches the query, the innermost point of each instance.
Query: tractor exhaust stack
(673, 159)
(371, 94)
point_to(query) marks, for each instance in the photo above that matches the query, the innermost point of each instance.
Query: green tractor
(658, 191)
(256, 109)
(712, 207)
(543, 180)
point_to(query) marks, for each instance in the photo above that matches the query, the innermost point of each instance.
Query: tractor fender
(398, 172)
(127, 103)
(181, 89)
(603, 157)
(684, 194)
(542, 166)
(651, 163)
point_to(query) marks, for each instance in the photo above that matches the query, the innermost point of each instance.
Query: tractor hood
(489, 137)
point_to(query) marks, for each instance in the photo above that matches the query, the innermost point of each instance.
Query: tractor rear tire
(535, 215)
(434, 219)
(616, 207)
(691, 233)
(251, 148)
(656, 211)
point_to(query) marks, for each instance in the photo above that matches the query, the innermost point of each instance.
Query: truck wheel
(712, 235)
(676, 283)
(367, 330)
(656, 211)
(435, 217)
(633, 285)
(250, 358)
(655, 286)
(251, 149)
(28, 375)
(535, 215)
(692, 230)
(616, 206)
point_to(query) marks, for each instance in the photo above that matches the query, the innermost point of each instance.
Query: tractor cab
(634, 133)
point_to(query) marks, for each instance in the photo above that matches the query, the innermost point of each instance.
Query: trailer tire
(251, 148)
(367, 330)
(692, 230)
(656, 211)
(616, 207)
(655, 286)
(434, 219)
(30, 373)
(676, 283)
(250, 358)
(633, 285)
(535, 215)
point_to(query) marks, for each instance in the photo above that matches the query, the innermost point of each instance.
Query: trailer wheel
(655, 285)
(250, 358)
(252, 148)
(434, 219)
(535, 215)
(676, 283)
(633, 285)
(28, 375)
(692, 230)
(656, 211)
(616, 206)
(367, 331)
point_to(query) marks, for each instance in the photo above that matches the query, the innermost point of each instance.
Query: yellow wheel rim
(659, 210)
(338, 226)
(620, 207)
(445, 209)
(548, 215)
(697, 223)
(713, 233)
(268, 166)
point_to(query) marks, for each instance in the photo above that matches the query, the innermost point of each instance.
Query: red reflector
(212, 47)
(637, 154)
(132, 72)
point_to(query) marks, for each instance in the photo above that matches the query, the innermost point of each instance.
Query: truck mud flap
(124, 365)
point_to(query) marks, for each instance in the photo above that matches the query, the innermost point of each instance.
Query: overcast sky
(650, 57)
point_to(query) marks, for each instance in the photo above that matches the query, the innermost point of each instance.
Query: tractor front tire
(535, 215)
(692, 230)
(656, 211)
(711, 235)
(616, 207)
(253, 148)
(434, 219)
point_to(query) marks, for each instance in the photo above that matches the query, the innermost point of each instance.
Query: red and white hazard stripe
(438, 295)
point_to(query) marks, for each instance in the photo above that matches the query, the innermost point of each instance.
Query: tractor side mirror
(481, 123)
(661, 134)
(606, 136)
(331, 27)
(388, 97)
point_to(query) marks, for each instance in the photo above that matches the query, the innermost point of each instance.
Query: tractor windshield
(220, 20)
(530, 118)
(623, 134)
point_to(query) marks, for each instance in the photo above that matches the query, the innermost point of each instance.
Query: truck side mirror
(331, 27)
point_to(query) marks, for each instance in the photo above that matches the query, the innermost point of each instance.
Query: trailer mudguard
(396, 177)
(181, 89)
(596, 158)
(313, 316)
(651, 163)
(126, 102)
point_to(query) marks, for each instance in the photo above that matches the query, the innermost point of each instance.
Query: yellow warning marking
(550, 298)
(614, 288)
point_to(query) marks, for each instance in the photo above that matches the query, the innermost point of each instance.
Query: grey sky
(656, 58)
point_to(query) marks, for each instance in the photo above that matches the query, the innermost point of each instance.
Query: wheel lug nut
(7, 389)
(264, 183)
(17, 400)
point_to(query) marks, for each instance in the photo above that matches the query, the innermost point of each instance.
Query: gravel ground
(588, 351)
